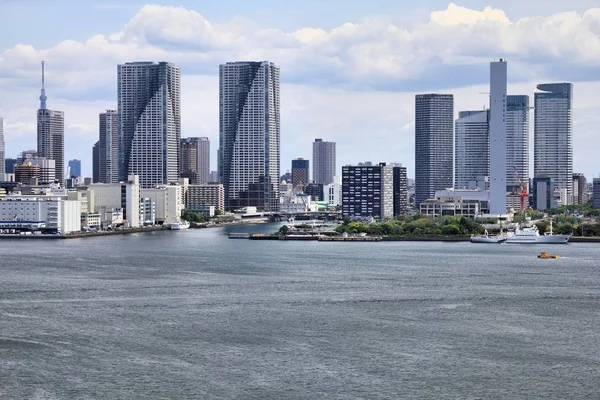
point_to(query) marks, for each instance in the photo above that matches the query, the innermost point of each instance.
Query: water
(192, 314)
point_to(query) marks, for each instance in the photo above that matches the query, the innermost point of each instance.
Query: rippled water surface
(192, 314)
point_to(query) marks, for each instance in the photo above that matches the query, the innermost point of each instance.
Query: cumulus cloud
(349, 83)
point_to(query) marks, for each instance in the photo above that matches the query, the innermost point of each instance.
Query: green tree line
(415, 226)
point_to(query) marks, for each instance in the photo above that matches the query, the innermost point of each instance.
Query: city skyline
(347, 105)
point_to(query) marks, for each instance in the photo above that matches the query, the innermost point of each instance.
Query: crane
(523, 194)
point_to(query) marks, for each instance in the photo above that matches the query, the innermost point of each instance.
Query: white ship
(179, 225)
(531, 235)
(486, 238)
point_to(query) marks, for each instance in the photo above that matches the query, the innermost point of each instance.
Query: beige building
(113, 196)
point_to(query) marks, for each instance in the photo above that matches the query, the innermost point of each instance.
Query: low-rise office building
(201, 196)
(53, 213)
(111, 197)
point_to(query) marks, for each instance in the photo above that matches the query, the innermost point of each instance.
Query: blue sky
(349, 69)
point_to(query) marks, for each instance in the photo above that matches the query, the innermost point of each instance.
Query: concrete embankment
(78, 235)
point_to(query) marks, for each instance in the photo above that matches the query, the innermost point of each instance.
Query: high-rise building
(400, 190)
(580, 191)
(47, 168)
(149, 108)
(323, 161)
(249, 134)
(596, 193)
(51, 134)
(367, 191)
(2, 149)
(96, 163)
(300, 173)
(9, 165)
(75, 168)
(497, 121)
(517, 142)
(553, 135)
(472, 148)
(109, 147)
(434, 147)
(195, 160)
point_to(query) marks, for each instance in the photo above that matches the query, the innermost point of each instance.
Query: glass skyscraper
(553, 136)
(472, 148)
(249, 134)
(434, 144)
(323, 161)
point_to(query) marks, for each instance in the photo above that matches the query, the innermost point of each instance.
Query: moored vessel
(531, 235)
(487, 238)
(179, 225)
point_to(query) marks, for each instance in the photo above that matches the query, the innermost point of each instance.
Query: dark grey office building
(300, 173)
(96, 163)
(596, 193)
(323, 161)
(542, 193)
(9, 165)
(367, 191)
(400, 191)
(434, 144)
(315, 191)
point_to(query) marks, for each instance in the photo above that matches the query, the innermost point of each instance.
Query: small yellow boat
(544, 255)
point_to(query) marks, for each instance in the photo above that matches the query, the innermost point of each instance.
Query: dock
(350, 238)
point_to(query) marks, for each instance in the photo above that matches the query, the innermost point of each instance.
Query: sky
(349, 69)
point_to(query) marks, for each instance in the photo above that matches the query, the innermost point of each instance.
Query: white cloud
(353, 84)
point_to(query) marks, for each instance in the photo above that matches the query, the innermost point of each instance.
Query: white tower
(498, 83)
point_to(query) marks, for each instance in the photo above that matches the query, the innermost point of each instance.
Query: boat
(531, 235)
(179, 225)
(545, 255)
(486, 238)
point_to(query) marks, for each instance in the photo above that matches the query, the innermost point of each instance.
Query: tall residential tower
(434, 147)
(471, 148)
(195, 159)
(149, 108)
(323, 162)
(51, 134)
(249, 134)
(109, 147)
(553, 137)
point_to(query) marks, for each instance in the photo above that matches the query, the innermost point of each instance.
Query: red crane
(523, 190)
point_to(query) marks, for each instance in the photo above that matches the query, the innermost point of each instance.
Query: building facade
(249, 134)
(200, 197)
(400, 191)
(169, 202)
(472, 148)
(9, 165)
(542, 193)
(367, 191)
(580, 190)
(96, 163)
(108, 160)
(195, 160)
(47, 169)
(123, 197)
(517, 142)
(324, 161)
(596, 193)
(498, 136)
(74, 168)
(300, 174)
(63, 216)
(553, 135)
(149, 109)
(2, 148)
(333, 192)
(434, 144)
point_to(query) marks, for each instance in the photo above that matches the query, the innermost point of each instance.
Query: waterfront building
(498, 128)
(472, 148)
(553, 135)
(300, 174)
(249, 134)
(121, 197)
(434, 144)
(51, 134)
(333, 191)
(49, 212)
(452, 206)
(400, 190)
(201, 197)
(96, 163)
(580, 191)
(2, 148)
(108, 150)
(324, 161)
(169, 201)
(517, 143)
(195, 159)
(367, 191)
(596, 193)
(149, 109)
(74, 168)
(147, 211)
(315, 191)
